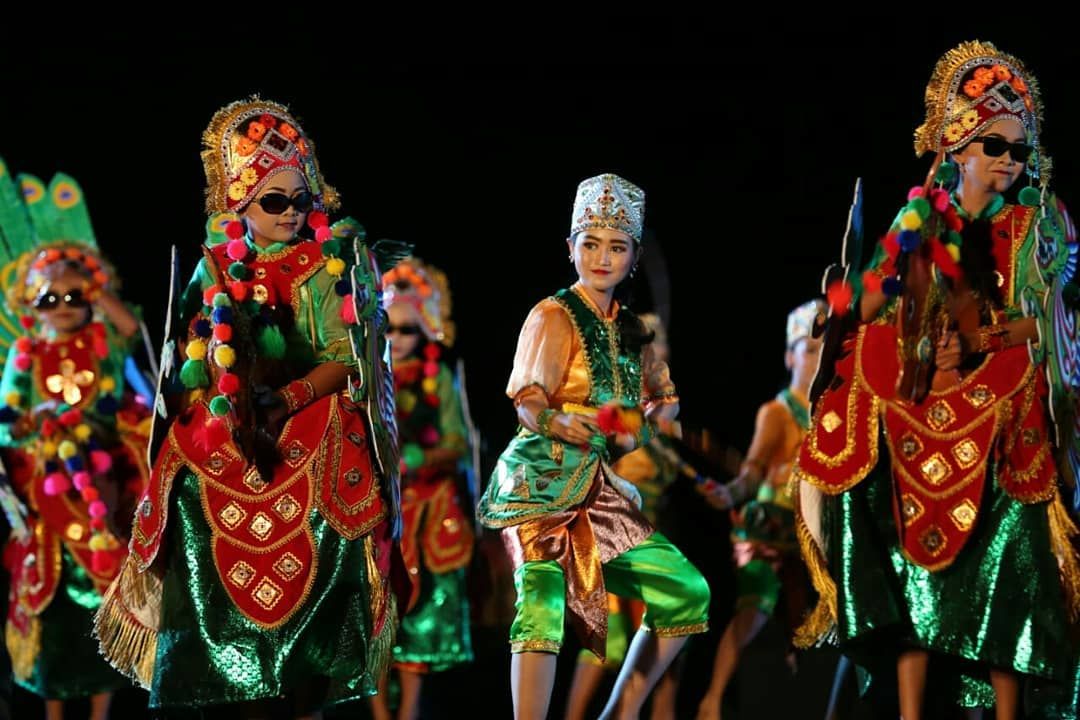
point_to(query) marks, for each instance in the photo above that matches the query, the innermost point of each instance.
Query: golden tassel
(1062, 532)
(23, 649)
(381, 648)
(128, 643)
(822, 620)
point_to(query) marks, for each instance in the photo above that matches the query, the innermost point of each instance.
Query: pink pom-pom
(223, 333)
(82, 480)
(323, 233)
(431, 368)
(56, 484)
(429, 436)
(23, 362)
(228, 384)
(101, 461)
(98, 509)
(236, 249)
(90, 494)
(939, 199)
(317, 219)
(348, 310)
(101, 562)
(914, 192)
(234, 230)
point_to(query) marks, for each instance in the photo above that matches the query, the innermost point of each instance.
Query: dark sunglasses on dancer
(49, 300)
(996, 147)
(403, 329)
(277, 203)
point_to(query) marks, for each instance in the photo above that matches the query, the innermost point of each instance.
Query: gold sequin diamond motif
(254, 481)
(940, 415)
(936, 469)
(933, 540)
(910, 445)
(911, 508)
(966, 453)
(261, 526)
(963, 515)
(287, 566)
(267, 594)
(831, 421)
(1031, 436)
(241, 574)
(287, 507)
(295, 453)
(216, 463)
(232, 515)
(979, 396)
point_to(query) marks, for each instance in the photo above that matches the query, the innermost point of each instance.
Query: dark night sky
(747, 139)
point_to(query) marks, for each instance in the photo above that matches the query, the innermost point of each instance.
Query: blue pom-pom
(202, 328)
(891, 286)
(909, 240)
(222, 315)
(51, 466)
(74, 464)
(92, 444)
(343, 287)
(107, 405)
(8, 414)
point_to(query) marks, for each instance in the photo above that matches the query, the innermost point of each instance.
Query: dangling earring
(570, 258)
(633, 270)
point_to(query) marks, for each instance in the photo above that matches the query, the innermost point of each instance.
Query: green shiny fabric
(758, 586)
(675, 594)
(69, 665)
(999, 604)
(209, 653)
(436, 631)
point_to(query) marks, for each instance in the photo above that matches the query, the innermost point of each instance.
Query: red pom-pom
(209, 293)
(90, 494)
(234, 230)
(871, 282)
(608, 420)
(238, 290)
(23, 362)
(48, 427)
(56, 484)
(212, 435)
(914, 192)
(236, 250)
(939, 199)
(317, 219)
(97, 524)
(82, 480)
(891, 245)
(100, 461)
(24, 344)
(71, 418)
(432, 400)
(839, 295)
(431, 368)
(943, 259)
(348, 310)
(101, 562)
(323, 234)
(432, 351)
(223, 333)
(228, 384)
(27, 321)
(953, 220)
(429, 436)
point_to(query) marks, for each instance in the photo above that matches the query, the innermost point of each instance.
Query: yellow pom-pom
(910, 220)
(196, 350)
(954, 252)
(67, 450)
(82, 432)
(99, 542)
(48, 449)
(224, 356)
(196, 395)
(108, 384)
(13, 399)
(430, 385)
(335, 266)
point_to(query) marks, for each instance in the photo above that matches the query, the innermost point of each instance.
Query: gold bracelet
(543, 421)
(298, 394)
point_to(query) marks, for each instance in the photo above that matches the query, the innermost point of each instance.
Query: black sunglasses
(403, 329)
(996, 147)
(48, 300)
(277, 203)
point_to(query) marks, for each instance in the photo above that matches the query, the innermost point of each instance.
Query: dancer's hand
(572, 428)
(720, 497)
(949, 353)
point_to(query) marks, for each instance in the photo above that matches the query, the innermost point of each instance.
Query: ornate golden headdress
(246, 144)
(425, 290)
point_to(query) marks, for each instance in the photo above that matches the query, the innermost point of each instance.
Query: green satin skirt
(436, 631)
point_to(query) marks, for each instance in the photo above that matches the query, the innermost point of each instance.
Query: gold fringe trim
(1062, 532)
(381, 650)
(680, 630)
(548, 646)
(821, 621)
(23, 649)
(127, 642)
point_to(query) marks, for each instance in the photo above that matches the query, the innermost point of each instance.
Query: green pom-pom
(252, 307)
(413, 455)
(921, 206)
(331, 248)
(221, 300)
(220, 406)
(946, 173)
(1030, 196)
(238, 271)
(271, 342)
(193, 374)
(956, 238)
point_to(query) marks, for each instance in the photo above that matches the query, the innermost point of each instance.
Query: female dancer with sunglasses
(73, 443)
(583, 374)
(437, 541)
(945, 535)
(258, 572)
